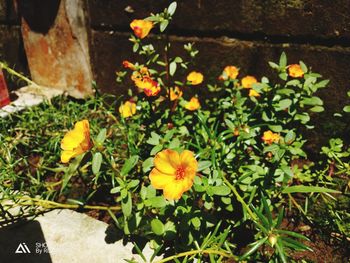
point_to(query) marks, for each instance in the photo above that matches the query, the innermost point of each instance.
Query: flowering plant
(189, 174)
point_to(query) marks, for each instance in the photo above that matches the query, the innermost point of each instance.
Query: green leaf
(275, 128)
(303, 66)
(156, 149)
(163, 25)
(101, 136)
(283, 60)
(294, 244)
(115, 190)
(312, 101)
(292, 234)
(174, 144)
(172, 8)
(321, 84)
(129, 164)
(281, 252)
(304, 117)
(254, 247)
(290, 137)
(283, 76)
(147, 164)
(133, 183)
(284, 104)
(221, 190)
(127, 205)
(135, 47)
(202, 165)
(96, 163)
(196, 222)
(157, 227)
(317, 109)
(172, 68)
(307, 189)
(346, 108)
(154, 140)
(273, 65)
(156, 202)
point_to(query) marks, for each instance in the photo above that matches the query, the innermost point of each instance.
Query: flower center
(180, 173)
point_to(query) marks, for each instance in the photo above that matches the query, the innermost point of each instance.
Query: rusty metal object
(57, 46)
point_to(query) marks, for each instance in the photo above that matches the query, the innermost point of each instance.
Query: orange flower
(175, 93)
(153, 90)
(76, 141)
(195, 78)
(230, 72)
(269, 137)
(127, 109)
(129, 65)
(193, 104)
(248, 81)
(143, 81)
(141, 27)
(173, 172)
(253, 93)
(295, 71)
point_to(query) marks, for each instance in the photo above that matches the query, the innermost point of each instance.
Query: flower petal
(67, 155)
(173, 191)
(72, 139)
(189, 162)
(167, 161)
(160, 180)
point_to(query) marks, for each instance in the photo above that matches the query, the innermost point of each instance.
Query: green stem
(198, 251)
(51, 204)
(18, 75)
(239, 198)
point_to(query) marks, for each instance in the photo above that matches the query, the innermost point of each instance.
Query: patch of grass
(30, 147)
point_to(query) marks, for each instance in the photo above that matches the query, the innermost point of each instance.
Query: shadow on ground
(23, 242)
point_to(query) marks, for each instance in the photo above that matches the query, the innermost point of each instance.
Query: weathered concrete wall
(11, 44)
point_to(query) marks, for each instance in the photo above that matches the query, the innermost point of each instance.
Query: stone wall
(11, 44)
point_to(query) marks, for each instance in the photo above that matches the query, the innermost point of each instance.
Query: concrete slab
(61, 236)
(29, 96)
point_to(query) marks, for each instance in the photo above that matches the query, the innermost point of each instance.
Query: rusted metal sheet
(56, 44)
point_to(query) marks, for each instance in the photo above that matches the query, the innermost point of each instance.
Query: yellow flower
(193, 104)
(195, 78)
(173, 172)
(230, 72)
(295, 71)
(175, 93)
(76, 141)
(269, 137)
(253, 93)
(248, 81)
(127, 109)
(141, 27)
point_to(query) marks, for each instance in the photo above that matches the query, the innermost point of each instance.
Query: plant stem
(18, 75)
(198, 251)
(51, 204)
(239, 198)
